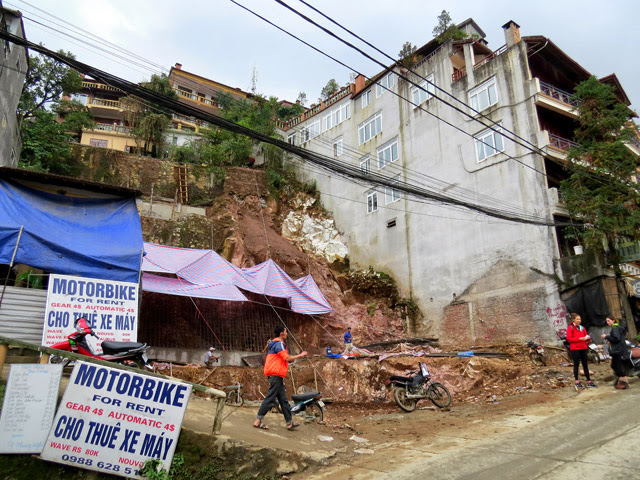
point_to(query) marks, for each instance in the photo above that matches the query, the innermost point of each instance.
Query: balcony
(555, 99)
(101, 86)
(555, 145)
(110, 127)
(556, 205)
(196, 98)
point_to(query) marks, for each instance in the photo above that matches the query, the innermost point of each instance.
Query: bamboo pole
(13, 257)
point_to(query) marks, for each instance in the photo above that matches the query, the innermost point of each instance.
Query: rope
(264, 225)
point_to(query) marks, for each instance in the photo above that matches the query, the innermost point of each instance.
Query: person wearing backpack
(578, 339)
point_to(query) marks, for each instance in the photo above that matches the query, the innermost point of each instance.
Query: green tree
(445, 29)
(47, 81)
(149, 122)
(302, 98)
(47, 122)
(329, 89)
(406, 50)
(598, 191)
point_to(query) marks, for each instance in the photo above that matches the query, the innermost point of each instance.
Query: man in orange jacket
(275, 369)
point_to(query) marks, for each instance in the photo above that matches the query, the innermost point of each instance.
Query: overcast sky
(221, 41)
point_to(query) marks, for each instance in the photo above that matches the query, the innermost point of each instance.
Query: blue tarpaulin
(88, 237)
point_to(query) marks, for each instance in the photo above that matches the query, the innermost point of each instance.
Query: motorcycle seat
(120, 347)
(401, 379)
(301, 397)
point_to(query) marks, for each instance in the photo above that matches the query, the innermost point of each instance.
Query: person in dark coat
(618, 351)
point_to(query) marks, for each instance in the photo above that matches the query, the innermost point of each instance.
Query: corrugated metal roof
(22, 314)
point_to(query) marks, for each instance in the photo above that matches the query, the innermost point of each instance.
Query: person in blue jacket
(348, 341)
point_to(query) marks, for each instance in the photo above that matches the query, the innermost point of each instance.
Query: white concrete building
(474, 277)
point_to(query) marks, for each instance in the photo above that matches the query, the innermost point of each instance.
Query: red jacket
(276, 363)
(574, 334)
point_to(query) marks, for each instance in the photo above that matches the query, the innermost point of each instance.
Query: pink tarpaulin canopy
(206, 274)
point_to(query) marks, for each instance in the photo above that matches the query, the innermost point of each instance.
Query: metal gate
(22, 314)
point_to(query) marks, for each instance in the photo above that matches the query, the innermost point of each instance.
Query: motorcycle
(80, 341)
(408, 390)
(632, 363)
(593, 352)
(308, 405)
(536, 354)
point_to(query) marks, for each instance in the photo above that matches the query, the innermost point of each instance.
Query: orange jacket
(276, 363)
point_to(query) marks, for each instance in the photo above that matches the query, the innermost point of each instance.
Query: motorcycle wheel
(314, 413)
(400, 397)
(234, 399)
(537, 359)
(57, 359)
(133, 362)
(593, 357)
(439, 395)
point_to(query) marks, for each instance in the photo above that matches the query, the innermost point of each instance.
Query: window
(310, 131)
(391, 195)
(387, 154)
(372, 202)
(484, 96)
(337, 147)
(425, 91)
(365, 164)
(336, 116)
(489, 143)
(386, 82)
(291, 139)
(370, 128)
(95, 142)
(366, 98)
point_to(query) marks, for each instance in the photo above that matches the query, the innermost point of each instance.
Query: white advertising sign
(29, 405)
(112, 420)
(110, 308)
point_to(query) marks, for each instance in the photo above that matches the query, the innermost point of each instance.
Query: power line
(319, 160)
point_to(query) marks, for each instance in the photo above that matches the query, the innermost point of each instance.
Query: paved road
(593, 435)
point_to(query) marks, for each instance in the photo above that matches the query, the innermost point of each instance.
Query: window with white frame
(489, 143)
(391, 194)
(423, 91)
(485, 95)
(370, 128)
(337, 147)
(365, 164)
(372, 201)
(291, 139)
(310, 131)
(336, 116)
(386, 82)
(387, 153)
(365, 99)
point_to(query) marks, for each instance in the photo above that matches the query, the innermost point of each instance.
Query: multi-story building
(200, 92)
(14, 63)
(476, 278)
(112, 129)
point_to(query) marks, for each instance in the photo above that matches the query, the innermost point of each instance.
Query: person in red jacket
(275, 369)
(578, 339)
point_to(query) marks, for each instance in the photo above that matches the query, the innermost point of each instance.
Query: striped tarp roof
(177, 286)
(200, 269)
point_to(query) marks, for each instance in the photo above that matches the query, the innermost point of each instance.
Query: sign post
(113, 421)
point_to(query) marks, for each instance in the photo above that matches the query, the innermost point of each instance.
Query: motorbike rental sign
(113, 421)
(110, 308)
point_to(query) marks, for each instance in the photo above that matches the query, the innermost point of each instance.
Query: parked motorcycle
(408, 390)
(536, 354)
(125, 353)
(593, 353)
(632, 363)
(307, 405)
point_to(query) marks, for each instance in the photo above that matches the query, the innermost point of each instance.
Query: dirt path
(559, 434)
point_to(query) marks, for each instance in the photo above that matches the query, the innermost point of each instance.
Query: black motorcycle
(307, 405)
(408, 390)
(536, 354)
